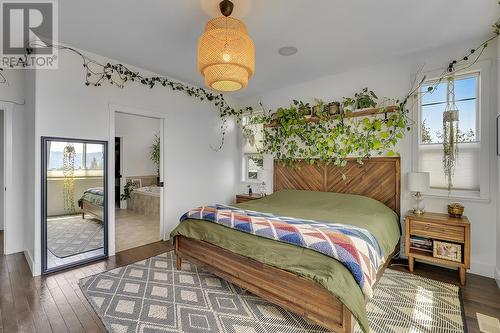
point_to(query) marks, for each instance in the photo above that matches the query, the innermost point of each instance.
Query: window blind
(466, 176)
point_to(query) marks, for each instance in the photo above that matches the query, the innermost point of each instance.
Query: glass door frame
(44, 141)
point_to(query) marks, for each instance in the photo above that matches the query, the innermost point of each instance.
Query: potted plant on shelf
(365, 99)
(154, 155)
(333, 108)
(319, 108)
(348, 105)
(303, 108)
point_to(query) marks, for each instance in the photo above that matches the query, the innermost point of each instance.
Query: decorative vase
(316, 111)
(455, 210)
(333, 108)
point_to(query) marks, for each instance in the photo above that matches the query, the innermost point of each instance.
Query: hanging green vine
(289, 134)
(69, 178)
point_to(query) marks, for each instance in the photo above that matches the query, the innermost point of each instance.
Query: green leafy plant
(154, 153)
(332, 139)
(127, 190)
(348, 104)
(304, 108)
(365, 99)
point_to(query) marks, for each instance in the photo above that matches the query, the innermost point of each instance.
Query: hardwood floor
(54, 303)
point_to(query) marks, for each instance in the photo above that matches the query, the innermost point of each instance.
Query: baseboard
(497, 276)
(31, 262)
(482, 269)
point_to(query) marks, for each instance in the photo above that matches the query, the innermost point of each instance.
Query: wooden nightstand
(245, 197)
(439, 227)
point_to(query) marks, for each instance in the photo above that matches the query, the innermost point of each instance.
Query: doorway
(137, 180)
(118, 175)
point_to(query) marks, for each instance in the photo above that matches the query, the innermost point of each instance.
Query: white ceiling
(331, 35)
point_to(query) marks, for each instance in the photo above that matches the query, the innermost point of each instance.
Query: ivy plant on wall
(289, 134)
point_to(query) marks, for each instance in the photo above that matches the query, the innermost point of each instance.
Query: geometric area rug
(70, 235)
(151, 296)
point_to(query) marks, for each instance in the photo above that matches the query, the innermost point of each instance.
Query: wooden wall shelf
(353, 114)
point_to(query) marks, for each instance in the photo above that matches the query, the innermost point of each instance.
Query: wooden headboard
(378, 178)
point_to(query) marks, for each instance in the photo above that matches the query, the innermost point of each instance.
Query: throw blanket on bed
(354, 247)
(94, 195)
(95, 190)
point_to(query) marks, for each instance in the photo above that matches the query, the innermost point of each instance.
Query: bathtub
(148, 190)
(145, 201)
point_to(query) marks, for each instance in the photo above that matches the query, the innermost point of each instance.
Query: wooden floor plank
(79, 309)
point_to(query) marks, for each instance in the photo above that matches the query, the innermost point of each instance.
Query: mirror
(74, 202)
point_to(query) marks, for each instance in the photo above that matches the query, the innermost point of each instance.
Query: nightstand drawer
(439, 231)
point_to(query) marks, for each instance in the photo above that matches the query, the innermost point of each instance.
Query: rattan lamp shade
(226, 54)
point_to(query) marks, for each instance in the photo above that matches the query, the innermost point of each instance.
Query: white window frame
(244, 157)
(483, 125)
(80, 173)
(246, 168)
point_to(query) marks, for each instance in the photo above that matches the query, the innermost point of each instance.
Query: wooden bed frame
(88, 207)
(378, 178)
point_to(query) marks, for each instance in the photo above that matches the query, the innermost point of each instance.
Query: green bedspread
(96, 199)
(355, 210)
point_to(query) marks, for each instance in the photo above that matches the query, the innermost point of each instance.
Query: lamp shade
(226, 54)
(418, 181)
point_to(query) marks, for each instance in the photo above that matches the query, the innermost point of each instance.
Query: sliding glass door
(74, 202)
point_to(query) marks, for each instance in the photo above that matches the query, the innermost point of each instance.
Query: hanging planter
(450, 134)
(69, 178)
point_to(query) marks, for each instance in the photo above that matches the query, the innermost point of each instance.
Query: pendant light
(226, 54)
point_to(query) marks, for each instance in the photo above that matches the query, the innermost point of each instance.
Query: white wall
(2, 143)
(55, 190)
(392, 79)
(497, 270)
(137, 135)
(31, 169)
(15, 196)
(194, 174)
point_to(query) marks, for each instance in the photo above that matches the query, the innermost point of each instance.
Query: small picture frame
(448, 251)
(137, 183)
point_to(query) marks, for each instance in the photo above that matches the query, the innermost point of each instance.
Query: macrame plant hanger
(450, 134)
(69, 178)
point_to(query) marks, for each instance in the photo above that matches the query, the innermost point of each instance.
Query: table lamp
(418, 182)
(262, 177)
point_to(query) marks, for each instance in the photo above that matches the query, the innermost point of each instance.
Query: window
(430, 137)
(253, 164)
(88, 161)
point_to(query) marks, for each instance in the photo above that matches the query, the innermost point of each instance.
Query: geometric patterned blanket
(354, 247)
(94, 195)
